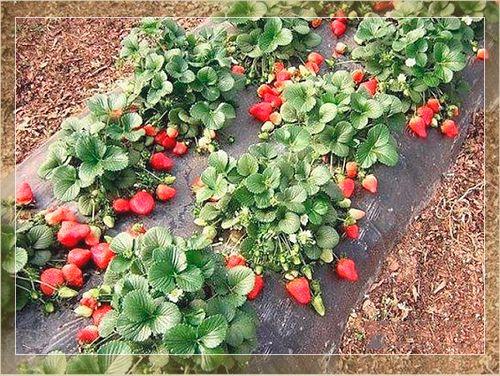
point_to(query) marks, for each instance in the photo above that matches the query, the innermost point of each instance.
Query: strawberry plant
(182, 79)
(175, 295)
(101, 156)
(259, 43)
(328, 115)
(413, 57)
(283, 207)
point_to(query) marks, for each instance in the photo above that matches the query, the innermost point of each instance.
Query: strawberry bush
(102, 156)
(411, 56)
(175, 295)
(182, 79)
(284, 208)
(259, 43)
(328, 115)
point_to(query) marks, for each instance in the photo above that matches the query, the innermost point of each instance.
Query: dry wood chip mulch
(429, 297)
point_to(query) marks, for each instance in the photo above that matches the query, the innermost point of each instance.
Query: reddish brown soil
(429, 296)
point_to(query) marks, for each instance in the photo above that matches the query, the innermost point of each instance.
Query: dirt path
(429, 296)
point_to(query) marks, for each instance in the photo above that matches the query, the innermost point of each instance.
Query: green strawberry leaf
(378, 146)
(290, 223)
(65, 182)
(212, 331)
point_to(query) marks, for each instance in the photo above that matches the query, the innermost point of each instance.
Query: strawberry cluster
(77, 237)
(91, 307)
(429, 115)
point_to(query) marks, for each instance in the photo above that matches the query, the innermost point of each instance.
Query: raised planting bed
(283, 326)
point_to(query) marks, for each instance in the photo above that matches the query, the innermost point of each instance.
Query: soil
(429, 296)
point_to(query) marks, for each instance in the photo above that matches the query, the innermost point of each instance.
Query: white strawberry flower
(401, 77)
(175, 295)
(410, 62)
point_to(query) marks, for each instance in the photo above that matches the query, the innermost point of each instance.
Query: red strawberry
(24, 194)
(426, 113)
(142, 203)
(338, 27)
(282, 76)
(71, 233)
(87, 335)
(102, 255)
(370, 183)
(357, 76)
(382, 6)
(434, 104)
(316, 58)
(168, 142)
(160, 162)
(351, 169)
(60, 214)
(278, 66)
(346, 269)
(258, 285)
(89, 301)
(299, 290)
(312, 67)
(165, 192)
(72, 275)
(150, 130)
(238, 69)
(79, 256)
(172, 132)
(121, 205)
(417, 125)
(266, 89)
(261, 111)
(94, 236)
(316, 22)
(275, 100)
(482, 54)
(449, 128)
(100, 312)
(235, 260)
(370, 86)
(160, 137)
(347, 187)
(51, 279)
(180, 149)
(352, 231)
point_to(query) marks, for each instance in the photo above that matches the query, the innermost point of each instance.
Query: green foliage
(325, 113)
(259, 42)
(284, 204)
(413, 57)
(175, 294)
(185, 77)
